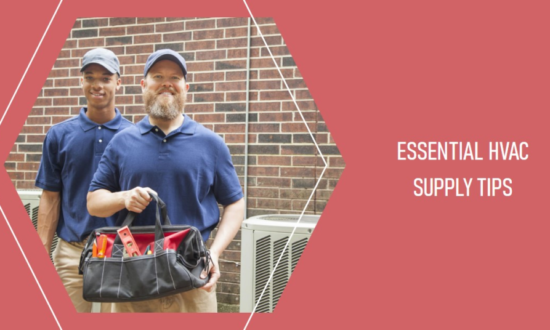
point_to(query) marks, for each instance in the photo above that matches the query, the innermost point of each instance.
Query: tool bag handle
(159, 233)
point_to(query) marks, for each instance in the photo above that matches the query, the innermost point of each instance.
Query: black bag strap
(159, 233)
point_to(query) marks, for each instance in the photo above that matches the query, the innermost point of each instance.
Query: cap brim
(169, 57)
(103, 64)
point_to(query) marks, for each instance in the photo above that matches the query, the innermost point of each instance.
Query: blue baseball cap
(165, 54)
(103, 57)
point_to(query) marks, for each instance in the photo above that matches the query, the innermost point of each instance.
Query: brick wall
(283, 161)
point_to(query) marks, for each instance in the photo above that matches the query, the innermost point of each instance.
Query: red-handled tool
(128, 241)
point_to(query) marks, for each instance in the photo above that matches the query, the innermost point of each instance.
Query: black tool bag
(177, 260)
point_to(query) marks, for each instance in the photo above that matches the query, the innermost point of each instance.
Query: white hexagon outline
(293, 100)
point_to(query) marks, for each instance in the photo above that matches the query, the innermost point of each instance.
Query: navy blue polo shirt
(190, 169)
(71, 153)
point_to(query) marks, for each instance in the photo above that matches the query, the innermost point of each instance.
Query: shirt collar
(86, 124)
(188, 127)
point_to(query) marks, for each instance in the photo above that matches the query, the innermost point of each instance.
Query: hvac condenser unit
(31, 199)
(263, 239)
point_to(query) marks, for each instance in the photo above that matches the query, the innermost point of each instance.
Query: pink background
(380, 73)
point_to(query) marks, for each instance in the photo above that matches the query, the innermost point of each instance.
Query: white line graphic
(1, 121)
(318, 150)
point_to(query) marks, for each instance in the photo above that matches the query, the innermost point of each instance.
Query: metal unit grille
(263, 240)
(263, 271)
(31, 200)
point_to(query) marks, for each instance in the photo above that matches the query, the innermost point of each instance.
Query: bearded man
(186, 164)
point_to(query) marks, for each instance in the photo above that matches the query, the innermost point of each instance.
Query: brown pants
(66, 258)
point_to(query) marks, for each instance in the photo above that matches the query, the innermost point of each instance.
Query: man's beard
(167, 110)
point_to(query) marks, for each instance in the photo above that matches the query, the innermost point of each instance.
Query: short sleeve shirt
(70, 155)
(190, 169)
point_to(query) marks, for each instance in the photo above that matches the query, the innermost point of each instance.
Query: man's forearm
(103, 203)
(229, 226)
(48, 217)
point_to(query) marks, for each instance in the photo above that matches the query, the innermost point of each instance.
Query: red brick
(266, 30)
(169, 27)
(231, 86)
(141, 49)
(133, 69)
(274, 160)
(263, 63)
(230, 97)
(263, 171)
(209, 76)
(270, 40)
(145, 20)
(58, 119)
(337, 161)
(27, 166)
(69, 44)
(148, 38)
(265, 106)
(122, 20)
(43, 102)
(37, 112)
(237, 32)
(193, 108)
(236, 75)
(303, 94)
(275, 117)
(229, 128)
(299, 172)
(116, 31)
(33, 138)
(234, 138)
(200, 24)
(141, 29)
(237, 53)
(211, 55)
(16, 176)
(207, 34)
(67, 63)
(200, 66)
(56, 92)
(232, 21)
(304, 105)
(268, 203)
(266, 84)
(65, 101)
(91, 42)
(76, 91)
(200, 45)
(208, 97)
(274, 74)
(124, 60)
(211, 117)
(12, 157)
(232, 43)
(275, 51)
(38, 120)
(261, 128)
(264, 21)
(274, 95)
(273, 182)
(179, 36)
(25, 185)
(263, 192)
(295, 127)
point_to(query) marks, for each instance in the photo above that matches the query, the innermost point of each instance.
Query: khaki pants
(194, 301)
(66, 259)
